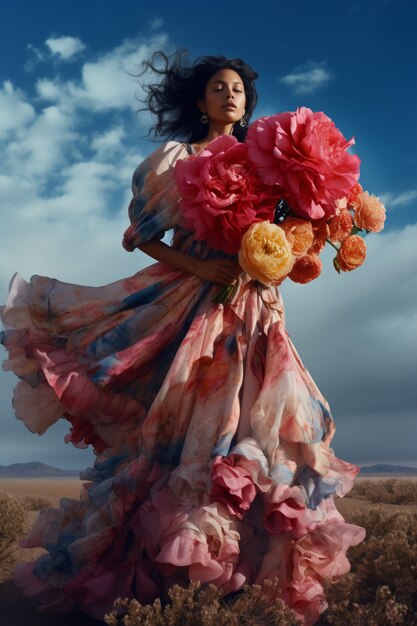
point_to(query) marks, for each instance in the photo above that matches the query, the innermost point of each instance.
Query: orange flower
(265, 253)
(321, 233)
(299, 234)
(340, 226)
(370, 213)
(351, 254)
(306, 268)
(340, 204)
(356, 190)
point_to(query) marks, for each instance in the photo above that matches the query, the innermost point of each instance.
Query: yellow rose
(265, 253)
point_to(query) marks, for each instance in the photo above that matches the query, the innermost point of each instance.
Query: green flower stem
(333, 245)
(225, 294)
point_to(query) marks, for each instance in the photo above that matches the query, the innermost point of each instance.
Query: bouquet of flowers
(278, 198)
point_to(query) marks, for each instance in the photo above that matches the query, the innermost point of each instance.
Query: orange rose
(306, 268)
(351, 253)
(340, 226)
(370, 213)
(354, 193)
(321, 233)
(265, 253)
(299, 234)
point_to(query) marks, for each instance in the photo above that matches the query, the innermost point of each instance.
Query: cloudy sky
(70, 138)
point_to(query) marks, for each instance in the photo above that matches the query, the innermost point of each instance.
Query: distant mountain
(388, 469)
(41, 470)
(34, 470)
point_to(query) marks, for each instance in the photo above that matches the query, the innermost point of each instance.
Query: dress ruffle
(212, 440)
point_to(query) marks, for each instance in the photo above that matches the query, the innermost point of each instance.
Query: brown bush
(382, 587)
(391, 491)
(35, 503)
(12, 523)
(199, 605)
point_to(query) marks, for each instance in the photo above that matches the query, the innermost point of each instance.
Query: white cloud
(42, 146)
(308, 77)
(108, 83)
(109, 141)
(392, 200)
(65, 47)
(48, 89)
(15, 111)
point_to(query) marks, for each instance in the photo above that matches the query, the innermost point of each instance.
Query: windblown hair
(173, 99)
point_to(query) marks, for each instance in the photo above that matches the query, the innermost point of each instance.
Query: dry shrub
(382, 587)
(12, 523)
(35, 503)
(383, 611)
(392, 491)
(202, 605)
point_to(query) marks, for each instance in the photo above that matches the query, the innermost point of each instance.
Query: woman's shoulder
(166, 154)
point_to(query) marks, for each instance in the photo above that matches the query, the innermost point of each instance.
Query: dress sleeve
(154, 207)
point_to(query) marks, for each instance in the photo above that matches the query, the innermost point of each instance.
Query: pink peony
(305, 156)
(232, 484)
(222, 194)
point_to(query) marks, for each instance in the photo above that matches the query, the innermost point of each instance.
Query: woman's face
(224, 99)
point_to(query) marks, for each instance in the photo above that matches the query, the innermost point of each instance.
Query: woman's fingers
(223, 271)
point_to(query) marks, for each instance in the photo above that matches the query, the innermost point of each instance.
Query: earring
(242, 122)
(204, 118)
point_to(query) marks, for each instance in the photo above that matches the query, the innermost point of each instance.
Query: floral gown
(212, 440)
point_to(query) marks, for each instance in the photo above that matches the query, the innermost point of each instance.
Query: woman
(212, 440)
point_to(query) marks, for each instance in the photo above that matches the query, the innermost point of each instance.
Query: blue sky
(70, 138)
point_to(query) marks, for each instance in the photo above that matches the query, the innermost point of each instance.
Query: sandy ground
(16, 610)
(52, 488)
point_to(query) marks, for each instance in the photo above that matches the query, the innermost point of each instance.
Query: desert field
(375, 502)
(51, 488)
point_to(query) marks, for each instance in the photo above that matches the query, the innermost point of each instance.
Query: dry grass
(13, 517)
(391, 491)
(202, 605)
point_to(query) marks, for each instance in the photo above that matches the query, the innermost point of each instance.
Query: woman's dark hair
(173, 99)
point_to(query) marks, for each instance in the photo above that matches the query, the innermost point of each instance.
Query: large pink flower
(305, 156)
(222, 194)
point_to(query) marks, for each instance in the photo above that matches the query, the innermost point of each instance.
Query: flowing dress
(212, 440)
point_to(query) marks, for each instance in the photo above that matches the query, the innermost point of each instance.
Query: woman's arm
(223, 271)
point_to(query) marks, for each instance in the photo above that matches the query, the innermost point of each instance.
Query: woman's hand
(222, 271)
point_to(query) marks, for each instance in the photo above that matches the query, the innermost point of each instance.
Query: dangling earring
(242, 122)
(204, 118)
